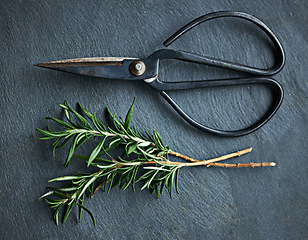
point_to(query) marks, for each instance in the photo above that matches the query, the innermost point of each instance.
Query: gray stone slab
(263, 203)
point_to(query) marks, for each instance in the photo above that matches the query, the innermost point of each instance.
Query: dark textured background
(263, 203)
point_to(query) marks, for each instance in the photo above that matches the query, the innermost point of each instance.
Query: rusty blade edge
(93, 61)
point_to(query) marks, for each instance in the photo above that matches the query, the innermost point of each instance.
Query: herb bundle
(145, 159)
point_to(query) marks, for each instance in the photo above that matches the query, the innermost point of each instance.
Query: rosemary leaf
(129, 115)
(96, 151)
(88, 211)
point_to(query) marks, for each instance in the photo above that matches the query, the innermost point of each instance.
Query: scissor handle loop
(280, 56)
(224, 82)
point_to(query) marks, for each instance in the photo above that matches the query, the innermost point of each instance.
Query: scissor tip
(38, 64)
(45, 65)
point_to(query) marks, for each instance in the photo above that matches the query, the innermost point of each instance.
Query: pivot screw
(137, 68)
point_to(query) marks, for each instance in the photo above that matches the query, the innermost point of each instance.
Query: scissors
(146, 69)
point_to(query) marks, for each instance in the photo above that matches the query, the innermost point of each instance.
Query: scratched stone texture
(263, 203)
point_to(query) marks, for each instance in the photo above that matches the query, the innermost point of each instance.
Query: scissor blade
(104, 67)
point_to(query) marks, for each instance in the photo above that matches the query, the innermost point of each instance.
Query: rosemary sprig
(147, 160)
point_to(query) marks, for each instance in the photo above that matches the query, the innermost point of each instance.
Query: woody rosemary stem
(205, 162)
(182, 156)
(237, 165)
(210, 162)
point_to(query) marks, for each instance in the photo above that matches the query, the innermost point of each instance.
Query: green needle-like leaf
(129, 115)
(89, 182)
(80, 118)
(71, 151)
(66, 125)
(45, 195)
(56, 214)
(68, 211)
(177, 181)
(66, 178)
(96, 151)
(80, 202)
(88, 211)
(86, 112)
(131, 148)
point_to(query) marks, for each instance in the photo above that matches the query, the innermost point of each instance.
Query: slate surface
(264, 203)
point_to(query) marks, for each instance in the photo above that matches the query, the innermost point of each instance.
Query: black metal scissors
(146, 69)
